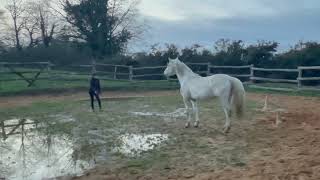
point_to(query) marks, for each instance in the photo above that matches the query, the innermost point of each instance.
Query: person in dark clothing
(94, 91)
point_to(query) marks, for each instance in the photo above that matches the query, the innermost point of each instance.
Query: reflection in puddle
(60, 146)
(30, 153)
(181, 112)
(135, 144)
(12, 126)
(63, 118)
(17, 121)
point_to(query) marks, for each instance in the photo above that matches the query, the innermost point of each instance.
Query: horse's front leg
(188, 113)
(196, 112)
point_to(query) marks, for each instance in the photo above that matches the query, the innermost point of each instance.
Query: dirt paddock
(290, 151)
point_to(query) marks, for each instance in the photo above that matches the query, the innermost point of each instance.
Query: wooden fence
(110, 71)
(27, 71)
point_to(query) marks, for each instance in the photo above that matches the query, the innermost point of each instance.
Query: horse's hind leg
(226, 109)
(227, 124)
(185, 101)
(196, 112)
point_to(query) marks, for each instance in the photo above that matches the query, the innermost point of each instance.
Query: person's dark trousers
(92, 95)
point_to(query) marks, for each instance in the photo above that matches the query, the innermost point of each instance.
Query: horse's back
(197, 88)
(219, 79)
(220, 76)
(205, 87)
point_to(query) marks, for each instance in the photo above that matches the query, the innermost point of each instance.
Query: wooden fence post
(49, 66)
(299, 77)
(2, 68)
(49, 69)
(115, 72)
(208, 69)
(130, 73)
(251, 73)
(93, 68)
(4, 135)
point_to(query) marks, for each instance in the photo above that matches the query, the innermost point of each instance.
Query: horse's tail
(238, 96)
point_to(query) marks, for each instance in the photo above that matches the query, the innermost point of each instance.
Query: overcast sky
(184, 22)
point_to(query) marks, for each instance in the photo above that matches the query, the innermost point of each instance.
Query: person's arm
(90, 84)
(98, 88)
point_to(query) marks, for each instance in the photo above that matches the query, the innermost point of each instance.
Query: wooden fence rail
(309, 67)
(25, 63)
(12, 68)
(300, 77)
(231, 67)
(155, 67)
(275, 70)
(131, 73)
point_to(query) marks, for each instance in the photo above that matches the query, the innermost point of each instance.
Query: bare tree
(31, 24)
(32, 20)
(2, 19)
(16, 10)
(126, 17)
(1, 14)
(40, 22)
(47, 22)
(2, 46)
(106, 25)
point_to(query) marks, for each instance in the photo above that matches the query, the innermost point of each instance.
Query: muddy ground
(289, 151)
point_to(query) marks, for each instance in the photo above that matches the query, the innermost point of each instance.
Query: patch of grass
(58, 86)
(61, 81)
(38, 109)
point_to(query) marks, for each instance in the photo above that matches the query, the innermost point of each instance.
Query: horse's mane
(185, 70)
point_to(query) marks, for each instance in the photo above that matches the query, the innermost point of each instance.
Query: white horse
(193, 87)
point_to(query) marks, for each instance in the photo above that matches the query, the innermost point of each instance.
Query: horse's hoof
(187, 125)
(196, 124)
(226, 129)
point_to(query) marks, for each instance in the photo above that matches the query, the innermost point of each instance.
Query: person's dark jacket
(95, 86)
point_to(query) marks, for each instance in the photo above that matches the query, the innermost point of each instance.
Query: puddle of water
(181, 112)
(63, 118)
(97, 133)
(144, 113)
(11, 127)
(26, 157)
(135, 144)
(12, 122)
(29, 153)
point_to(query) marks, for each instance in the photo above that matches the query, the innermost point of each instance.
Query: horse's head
(171, 67)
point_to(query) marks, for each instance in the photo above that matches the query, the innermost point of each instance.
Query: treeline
(223, 52)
